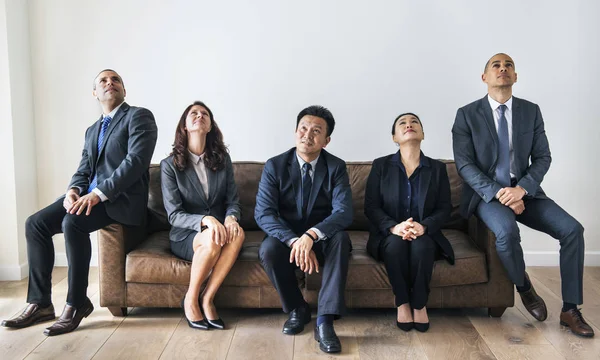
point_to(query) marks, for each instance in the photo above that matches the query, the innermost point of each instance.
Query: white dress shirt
(197, 163)
(508, 115)
(313, 164)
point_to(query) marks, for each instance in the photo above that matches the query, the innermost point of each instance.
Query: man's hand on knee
(509, 195)
(518, 207)
(70, 198)
(85, 203)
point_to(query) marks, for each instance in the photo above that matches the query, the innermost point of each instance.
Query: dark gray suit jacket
(186, 203)
(122, 163)
(278, 209)
(475, 143)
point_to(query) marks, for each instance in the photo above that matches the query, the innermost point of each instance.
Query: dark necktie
(306, 186)
(105, 123)
(503, 165)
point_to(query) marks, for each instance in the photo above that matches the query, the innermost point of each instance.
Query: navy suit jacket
(475, 143)
(383, 206)
(122, 163)
(278, 209)
(185, 201)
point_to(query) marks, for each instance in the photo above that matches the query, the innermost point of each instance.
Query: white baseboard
(551, 258)
(14, 273)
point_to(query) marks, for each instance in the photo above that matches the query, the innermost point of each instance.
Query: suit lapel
(295, 178)
(94, 134)
(393, 192)
(213, 180)
(193, 178)
(118, 117)
(424, 179)
(516, 128)
(486, 110)
(319, 175)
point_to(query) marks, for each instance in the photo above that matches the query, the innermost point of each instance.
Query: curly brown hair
(215, 150)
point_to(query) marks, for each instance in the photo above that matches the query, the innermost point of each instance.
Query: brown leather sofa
(137, 267)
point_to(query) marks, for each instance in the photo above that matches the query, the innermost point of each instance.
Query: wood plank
(18, 343)
(188, 343)
(258, 336)
(143, 334)
(306, 347)
(567, 344)
(527, 352)
(379, 338)
(452, 336)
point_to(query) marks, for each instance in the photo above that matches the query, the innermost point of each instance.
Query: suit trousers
(542, 215)
(39, 229)
(409, 265)
(332, 255)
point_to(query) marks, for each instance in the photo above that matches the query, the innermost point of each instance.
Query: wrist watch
(233, 217)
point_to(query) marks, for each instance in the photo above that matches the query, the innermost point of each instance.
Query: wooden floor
(256, 334)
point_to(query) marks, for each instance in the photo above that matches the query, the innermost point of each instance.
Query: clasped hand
(303, 254)
(408, 229)
(221, 234)
(513, 198)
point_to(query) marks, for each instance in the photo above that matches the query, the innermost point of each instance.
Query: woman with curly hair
(202, 205)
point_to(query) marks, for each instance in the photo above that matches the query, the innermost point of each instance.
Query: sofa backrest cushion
(247, 175)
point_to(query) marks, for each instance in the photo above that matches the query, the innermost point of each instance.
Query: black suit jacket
(186, 203)
(278, 208)
(121, 164)
(475, 143)
(383, 205)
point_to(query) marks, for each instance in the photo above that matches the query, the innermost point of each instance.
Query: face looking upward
(499, 72)
(311, 136)
(198, 120)
(408, 128)
(109, 88)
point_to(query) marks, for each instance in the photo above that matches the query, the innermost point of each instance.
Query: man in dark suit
(502, 154)
(304, 203)
(110, 186)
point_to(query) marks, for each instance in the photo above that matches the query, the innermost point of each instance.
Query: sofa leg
(496, 311)
(118, 311)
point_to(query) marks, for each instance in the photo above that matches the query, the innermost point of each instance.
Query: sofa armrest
(500, 287)
(114, 242)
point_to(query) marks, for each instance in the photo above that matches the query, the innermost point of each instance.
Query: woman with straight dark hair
(202, 205)
(407, 201)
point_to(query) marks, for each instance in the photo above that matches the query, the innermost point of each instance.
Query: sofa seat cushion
(366, 273)
(152, 262)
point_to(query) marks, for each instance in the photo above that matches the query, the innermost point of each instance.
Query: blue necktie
(306, 186)
(503, 165)
(105, 123)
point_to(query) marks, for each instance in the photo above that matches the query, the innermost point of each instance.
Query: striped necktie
(105, 123)
(503, 165)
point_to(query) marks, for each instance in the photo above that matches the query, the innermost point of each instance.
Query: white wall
(258, 63)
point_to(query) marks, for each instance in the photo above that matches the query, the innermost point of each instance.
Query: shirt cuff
(102, 197)
(320, 235)
(291, 241)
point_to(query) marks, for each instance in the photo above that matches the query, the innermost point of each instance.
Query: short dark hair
(318, 111)
(401, 115)
(95, 77)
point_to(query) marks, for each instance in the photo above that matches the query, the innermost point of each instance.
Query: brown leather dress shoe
(574, 321)
(32, 314)
(70, 318)
(534, 303)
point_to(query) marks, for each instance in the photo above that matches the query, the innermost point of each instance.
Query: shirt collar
(494, 104)
(313, 163)
(114, 112)
(423, 160)
(196, 158)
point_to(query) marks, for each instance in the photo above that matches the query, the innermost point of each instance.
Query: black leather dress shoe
(32, 314)
(405, 326)
(327, 339)
(199, 324)
(422, 327)
(298, 318)
(70, 318)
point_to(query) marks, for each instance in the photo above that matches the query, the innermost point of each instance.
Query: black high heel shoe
(200, 324)
(405, 326)
(217, 324)
(422, 327)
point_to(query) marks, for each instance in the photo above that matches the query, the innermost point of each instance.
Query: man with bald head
(110, 186)
(502, 154)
